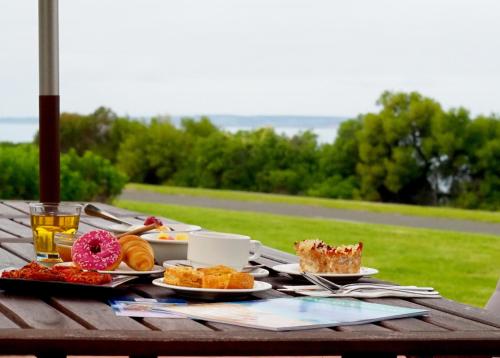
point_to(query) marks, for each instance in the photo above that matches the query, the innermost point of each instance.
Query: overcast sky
(144, 57)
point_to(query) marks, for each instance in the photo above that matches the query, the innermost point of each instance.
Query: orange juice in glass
(48, 219)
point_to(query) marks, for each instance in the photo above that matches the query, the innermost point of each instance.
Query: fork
(335, 288)
(364, 284)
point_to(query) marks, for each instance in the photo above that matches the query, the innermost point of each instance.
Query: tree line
(410, 151)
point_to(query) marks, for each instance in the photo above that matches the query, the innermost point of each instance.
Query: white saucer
(294, 270)
(210, 293)
(257, 273)
(123, 269)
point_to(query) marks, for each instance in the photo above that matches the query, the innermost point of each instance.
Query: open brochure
(284, 314)
(145, 307)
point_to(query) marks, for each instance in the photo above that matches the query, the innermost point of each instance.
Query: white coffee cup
(206, 248)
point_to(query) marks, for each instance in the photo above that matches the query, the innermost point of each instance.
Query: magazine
(284, 314)
(145, 307)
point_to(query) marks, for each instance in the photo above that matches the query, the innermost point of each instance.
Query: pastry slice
(317, 256)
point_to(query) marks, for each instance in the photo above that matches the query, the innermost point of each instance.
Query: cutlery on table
(374, 293)
(95, 211)
(362, 284)
(345, 289)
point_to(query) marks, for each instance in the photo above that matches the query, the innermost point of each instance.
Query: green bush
(89, 177)
(18, 171)
(83, 178)
(409, 151)
(336, 187)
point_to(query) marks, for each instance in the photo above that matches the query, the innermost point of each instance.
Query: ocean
(19, 130)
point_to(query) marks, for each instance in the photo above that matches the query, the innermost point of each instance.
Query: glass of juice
(48, 219)
(64, 243)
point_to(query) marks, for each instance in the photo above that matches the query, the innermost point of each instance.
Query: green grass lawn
(442, 212)
(463, 267)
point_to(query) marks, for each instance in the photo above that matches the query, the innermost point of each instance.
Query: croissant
(137, 253)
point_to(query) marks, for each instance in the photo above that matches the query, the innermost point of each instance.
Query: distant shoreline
(226, 120)
(23, 129)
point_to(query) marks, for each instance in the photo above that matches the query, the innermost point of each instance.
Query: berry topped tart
(152, 220)
(318, 257)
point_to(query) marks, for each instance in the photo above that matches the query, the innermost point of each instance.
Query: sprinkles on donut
(97, 250)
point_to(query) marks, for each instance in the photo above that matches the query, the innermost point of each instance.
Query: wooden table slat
(24, 250)
(94, 314)
(15, 228)
(8, 259)
(6, 323)
(438, 318)
(115, 210)
(9, 211)
(18, 205)
(6, 235)
(35, 313)
(277, 255)
(411, 325)
(203, 343)
(461, 310)
(363, 328)
(176, 324)
(94, 222)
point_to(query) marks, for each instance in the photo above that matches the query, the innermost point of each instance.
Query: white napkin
(316, 291)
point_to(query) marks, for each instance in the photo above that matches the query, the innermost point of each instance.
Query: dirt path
(317, 212)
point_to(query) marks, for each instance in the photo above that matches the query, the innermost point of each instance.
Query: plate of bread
(210, 282)
(322, 259)
(102, 252)
(257, 272)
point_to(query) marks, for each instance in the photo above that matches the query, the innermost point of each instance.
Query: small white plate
(153, 237)
(294, 270)
(119, 228)
(210, 293)
(123, 269)
(257, 273)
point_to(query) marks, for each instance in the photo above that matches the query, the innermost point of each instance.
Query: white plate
(258, 286)
(124, 269)
(119, 228)
(153, 237)
(257, 273)
(294, 270)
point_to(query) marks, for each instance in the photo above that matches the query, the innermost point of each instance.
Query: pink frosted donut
(97, 250)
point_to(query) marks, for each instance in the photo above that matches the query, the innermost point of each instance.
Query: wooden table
(51, 325)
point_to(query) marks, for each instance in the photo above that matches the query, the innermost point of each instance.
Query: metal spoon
(95, 211)
(139, 230)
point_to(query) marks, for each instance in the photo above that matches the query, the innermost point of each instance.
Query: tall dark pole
(48, 48)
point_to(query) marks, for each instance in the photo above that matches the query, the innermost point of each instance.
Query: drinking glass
(48, 219)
